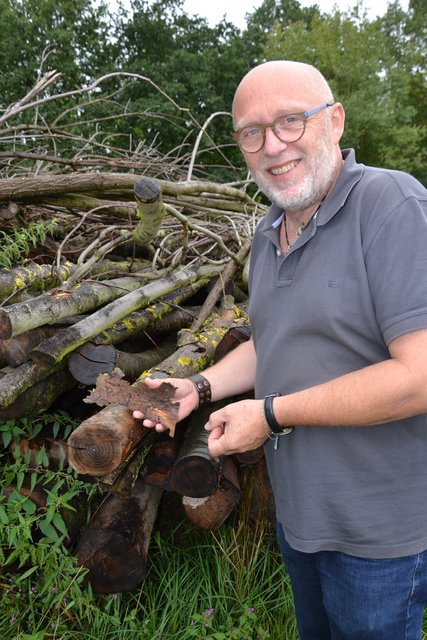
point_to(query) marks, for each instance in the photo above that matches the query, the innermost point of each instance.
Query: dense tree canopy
(169, 73)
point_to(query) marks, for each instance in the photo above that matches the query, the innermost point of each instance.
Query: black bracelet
(271, 418)
(203, 389)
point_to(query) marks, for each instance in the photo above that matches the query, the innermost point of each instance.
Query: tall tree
(372, 69)
(71, 36)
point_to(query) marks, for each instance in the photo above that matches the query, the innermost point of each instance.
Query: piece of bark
(156, 404)
(114, 546)
(212, 511)
(90, 360)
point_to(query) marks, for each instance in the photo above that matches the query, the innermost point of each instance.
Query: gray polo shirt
(355, 280)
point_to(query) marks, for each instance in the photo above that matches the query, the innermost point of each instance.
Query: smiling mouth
(278, 171)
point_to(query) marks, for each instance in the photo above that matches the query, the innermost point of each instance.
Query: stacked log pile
(139, 277)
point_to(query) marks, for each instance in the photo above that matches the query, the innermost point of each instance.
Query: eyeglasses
(288, 128)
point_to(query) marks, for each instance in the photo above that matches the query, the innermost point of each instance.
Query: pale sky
(235, 10)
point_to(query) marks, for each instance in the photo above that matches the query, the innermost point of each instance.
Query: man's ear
(338, 121)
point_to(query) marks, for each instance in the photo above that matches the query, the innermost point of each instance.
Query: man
(338, 311)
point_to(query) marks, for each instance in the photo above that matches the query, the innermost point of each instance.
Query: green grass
(231, 580)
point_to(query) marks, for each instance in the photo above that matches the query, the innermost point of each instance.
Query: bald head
(299, 84)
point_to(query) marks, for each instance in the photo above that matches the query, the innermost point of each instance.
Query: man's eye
(289, 121)
(250, 133)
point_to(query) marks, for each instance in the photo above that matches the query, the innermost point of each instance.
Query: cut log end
(98, 451)
(193, 476)
(147, 189)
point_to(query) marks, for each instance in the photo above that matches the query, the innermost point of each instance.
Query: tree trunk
(210, 512)
(55, 451)
(195, 473)
(115, 544)
(114, 185)
(89, 360)
(26, 376)
(39, 397)
(56, 348)
(16, 351)
(104, 440)
(150, 210)
(57, 304)
(158, 319)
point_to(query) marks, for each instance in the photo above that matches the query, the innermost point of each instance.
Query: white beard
(313, 187)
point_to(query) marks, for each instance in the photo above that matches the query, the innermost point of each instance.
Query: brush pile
(115, 276)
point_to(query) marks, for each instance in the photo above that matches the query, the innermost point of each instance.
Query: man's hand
(185, 395)
(236, 428)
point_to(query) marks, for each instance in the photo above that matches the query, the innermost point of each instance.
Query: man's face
(294, 175)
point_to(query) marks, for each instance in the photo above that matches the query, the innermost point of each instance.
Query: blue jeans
(343, 597)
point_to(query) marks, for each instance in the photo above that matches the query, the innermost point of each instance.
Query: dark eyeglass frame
(303, 115)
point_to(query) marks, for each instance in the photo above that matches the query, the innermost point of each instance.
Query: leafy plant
(18, 244)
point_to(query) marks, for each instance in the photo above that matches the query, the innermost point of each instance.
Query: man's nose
(272, 144)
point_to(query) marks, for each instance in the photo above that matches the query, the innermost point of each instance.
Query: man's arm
(235, 373)
(391, 390)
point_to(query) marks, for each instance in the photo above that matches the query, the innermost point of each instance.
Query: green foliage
(33, 539)
(374, 70)
(245, 628)
(66, 35)
(18, 244)
(236, 571)
(188, 70)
